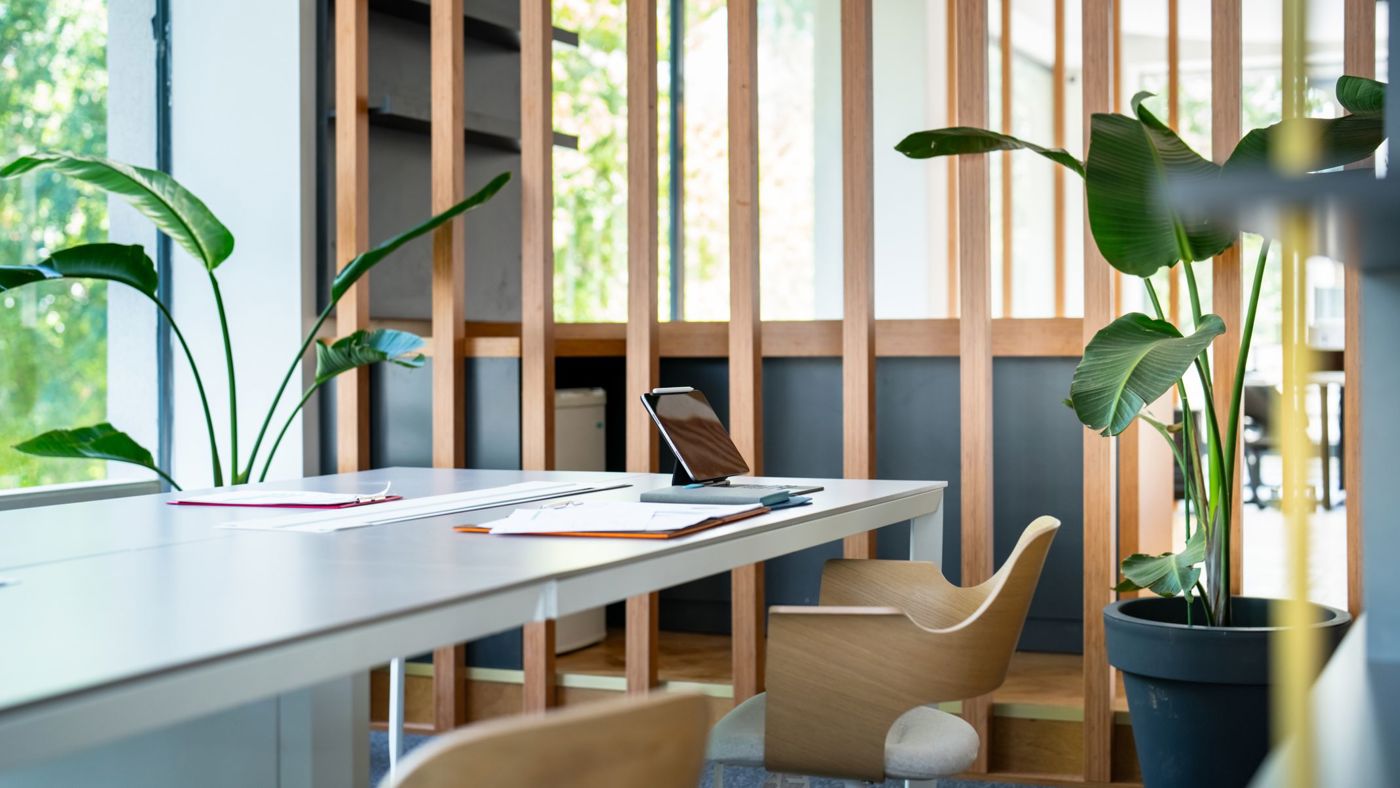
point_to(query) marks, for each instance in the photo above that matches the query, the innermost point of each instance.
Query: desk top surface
(101, 592)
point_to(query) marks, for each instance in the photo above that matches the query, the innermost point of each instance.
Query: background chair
(657, 741)
(851, 682)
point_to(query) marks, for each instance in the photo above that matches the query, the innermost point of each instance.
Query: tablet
(695, 434)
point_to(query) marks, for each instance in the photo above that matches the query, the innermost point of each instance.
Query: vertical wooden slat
(1007, 250)
(858, 234)
(1359, 59)
(538, 661)
(537, 235)
(745, 338)
(1117, 89)
(537, 299)
(352, 220)
(448, 151)
(1227, 284)
(951, 67)
(1098, 452)
(641, 647)
(975, 323)
(1059, 119)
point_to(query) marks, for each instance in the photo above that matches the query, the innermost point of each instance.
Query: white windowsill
(49, 495)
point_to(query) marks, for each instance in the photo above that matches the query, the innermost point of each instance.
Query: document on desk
(289, 499)
(415, 508)
(620, 517)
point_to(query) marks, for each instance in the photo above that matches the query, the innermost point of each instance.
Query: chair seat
(923, 743)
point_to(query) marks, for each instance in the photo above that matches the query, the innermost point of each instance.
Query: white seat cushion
(923, 743)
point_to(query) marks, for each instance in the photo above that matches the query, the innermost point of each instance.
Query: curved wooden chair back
(656, 741)
(888, 636)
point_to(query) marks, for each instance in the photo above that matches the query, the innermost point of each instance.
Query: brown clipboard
(713, 522)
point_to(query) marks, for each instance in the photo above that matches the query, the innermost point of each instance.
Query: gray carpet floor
(733, 777)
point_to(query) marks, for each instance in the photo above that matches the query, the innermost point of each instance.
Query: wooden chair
(656, 741)
(851, 681)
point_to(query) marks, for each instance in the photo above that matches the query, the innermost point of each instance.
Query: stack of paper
(414, 508)
(288, 498)
(614, 517)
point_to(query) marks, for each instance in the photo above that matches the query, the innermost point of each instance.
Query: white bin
(580, 426)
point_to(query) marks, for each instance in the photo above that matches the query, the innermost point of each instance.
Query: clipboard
(713, 522)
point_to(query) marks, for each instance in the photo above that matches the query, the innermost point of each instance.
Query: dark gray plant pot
(1198, 695)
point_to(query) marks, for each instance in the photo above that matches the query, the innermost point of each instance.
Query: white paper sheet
(326, 521)
(285, 498)
(619, 516)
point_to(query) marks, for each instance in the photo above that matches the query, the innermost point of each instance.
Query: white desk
(140, 644)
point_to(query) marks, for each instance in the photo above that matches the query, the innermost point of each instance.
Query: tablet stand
(679, 478)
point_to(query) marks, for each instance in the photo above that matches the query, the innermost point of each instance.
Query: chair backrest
(656, 741)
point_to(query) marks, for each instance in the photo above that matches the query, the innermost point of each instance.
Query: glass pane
(706, 145)
(590, 184)
(53, 335)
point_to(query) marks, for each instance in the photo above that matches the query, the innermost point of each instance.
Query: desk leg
(926, 536)
(396, 675)
(747, 636)
(642, 642)
(1323, 391)
(538, 648)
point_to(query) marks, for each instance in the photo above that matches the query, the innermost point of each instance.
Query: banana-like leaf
(98, 442)
(362, 264)
(177, 212)
(1131, 362)
(128, 265)
(1359, 94)
(1132, 164)
(1168, 574)
(363, 348)
(1337, 142)
(966, 139)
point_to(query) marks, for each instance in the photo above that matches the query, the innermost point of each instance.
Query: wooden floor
(1034, 679)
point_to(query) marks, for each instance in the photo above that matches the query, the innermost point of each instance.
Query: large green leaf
(965, 139)
(1337, 141)
(1359, 94)
(363, 348)
(1131, 362)
(1133, 163)
(362, 264)
(177, 212)
(128, 265)
(98, 442)
(1168, 574)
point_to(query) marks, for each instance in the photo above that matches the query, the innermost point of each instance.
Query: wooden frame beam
(858, 242)
(975, 322)
(1099, 515)
(642, 361)
(1359, 59)
(352, 220)
(951, 68)
(1059, 120)
(537, 299)
(448, 150)
(1227, 283)
(745, 333)
(1008, 265)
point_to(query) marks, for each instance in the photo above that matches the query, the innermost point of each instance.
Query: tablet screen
(696, 435)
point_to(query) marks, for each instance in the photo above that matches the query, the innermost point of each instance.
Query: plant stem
(232, 382)
(1194, 482)
(272, 452)
(281, 389)
(1205, 604)
(1246, 339)
(165, 476)
(199, 386)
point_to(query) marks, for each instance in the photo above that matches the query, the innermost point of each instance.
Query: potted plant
(184, 217)
(1195, 668)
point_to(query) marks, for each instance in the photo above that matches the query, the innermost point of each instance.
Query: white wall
(243, 140)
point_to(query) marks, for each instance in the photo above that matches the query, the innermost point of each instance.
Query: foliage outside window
(53, 96)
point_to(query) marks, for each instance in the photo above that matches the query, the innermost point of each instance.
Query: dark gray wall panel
(401, 430)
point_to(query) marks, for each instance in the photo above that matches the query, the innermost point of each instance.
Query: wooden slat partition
(1008, 258)
(1359, 59)
(1099, 516)
(641, 303)
(975, 322)
(352, 220)
(1227, 284)
(858, 225)
(951, 67)
(1058, 118)
(448, 150)
(537, 299)
(745, 332)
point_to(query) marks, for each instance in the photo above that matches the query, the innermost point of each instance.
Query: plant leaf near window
(1133, 167)
(184, 217)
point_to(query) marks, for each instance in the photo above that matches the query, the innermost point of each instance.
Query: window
(56, 338)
